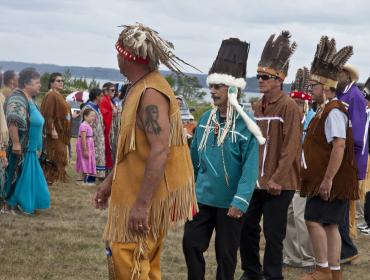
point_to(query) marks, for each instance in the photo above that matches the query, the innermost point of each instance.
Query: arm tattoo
(151, 122)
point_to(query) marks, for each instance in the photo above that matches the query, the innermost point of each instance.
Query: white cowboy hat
(352, 70)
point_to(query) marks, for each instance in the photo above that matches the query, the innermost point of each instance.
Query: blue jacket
(225, 175)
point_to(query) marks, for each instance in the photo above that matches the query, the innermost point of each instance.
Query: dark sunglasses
(265, 77)
(216, 86)
(59, 81)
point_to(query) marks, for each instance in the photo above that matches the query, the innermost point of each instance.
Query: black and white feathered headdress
(142, 44)
(276, 54)
(328, 62)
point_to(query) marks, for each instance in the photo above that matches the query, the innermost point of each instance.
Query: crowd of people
(293, 168)
(35, 139)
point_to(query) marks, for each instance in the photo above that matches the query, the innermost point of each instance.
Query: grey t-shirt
(336, 125)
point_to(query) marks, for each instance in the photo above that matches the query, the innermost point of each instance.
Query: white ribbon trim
(304, 160)
(242, 199)
(366, 133)
(268, 119)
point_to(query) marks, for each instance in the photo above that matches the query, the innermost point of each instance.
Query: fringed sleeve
(48, 110)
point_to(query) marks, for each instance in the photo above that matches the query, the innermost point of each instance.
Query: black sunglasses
(265, 77)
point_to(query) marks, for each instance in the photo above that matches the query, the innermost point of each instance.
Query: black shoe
(244, 277)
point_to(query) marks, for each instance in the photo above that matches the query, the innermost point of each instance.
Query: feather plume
(306, 79)
(331, 50)
(146, 43)
(343, 55)
(327, 61)
(277, 52)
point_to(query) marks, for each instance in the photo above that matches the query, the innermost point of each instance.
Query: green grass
(64, 242)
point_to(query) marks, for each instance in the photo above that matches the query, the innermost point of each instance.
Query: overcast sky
(83, 32)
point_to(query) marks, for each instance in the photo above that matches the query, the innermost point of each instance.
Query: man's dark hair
(8, 76)
(26, 76)
(53, 77)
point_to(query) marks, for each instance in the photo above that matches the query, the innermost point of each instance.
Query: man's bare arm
(335, 161)
(13, 133)
(154, 120)
(336, 158)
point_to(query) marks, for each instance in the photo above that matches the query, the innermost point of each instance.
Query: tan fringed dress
(57, 113)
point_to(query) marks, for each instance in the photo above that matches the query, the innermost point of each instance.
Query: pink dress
(85, 165)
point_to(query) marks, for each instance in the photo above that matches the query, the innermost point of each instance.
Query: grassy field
(64, 242)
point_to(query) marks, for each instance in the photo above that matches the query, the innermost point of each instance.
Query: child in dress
(85, 152)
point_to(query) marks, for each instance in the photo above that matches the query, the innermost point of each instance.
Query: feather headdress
(327, 62)
(302, 78)
(144, 45)
(276, 54)
(299, 89)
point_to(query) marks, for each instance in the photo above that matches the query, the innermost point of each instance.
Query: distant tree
(253, 99)
(171, 80)
(44, 82)
(189, 87)
(94, 84)
(68, 82)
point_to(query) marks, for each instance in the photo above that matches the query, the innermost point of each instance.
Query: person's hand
(17, 149)
(325, 189)
(102, 195)
(85, 154)
(4, 161)
(54, 134)
(273, 188)
(138, 219)
(234, 213)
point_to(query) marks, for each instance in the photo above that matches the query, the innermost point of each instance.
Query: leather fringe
(177, 207)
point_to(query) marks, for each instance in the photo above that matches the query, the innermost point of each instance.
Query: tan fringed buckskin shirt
(280, 157)
(174, 200)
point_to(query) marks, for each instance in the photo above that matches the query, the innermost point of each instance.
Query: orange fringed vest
(174, 200)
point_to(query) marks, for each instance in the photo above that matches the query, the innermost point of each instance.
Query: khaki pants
(297, 245)
(123, 259)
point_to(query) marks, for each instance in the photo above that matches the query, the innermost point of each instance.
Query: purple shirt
(356, 103)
